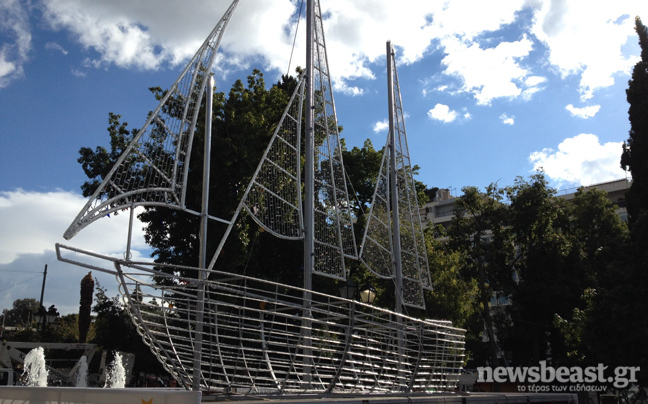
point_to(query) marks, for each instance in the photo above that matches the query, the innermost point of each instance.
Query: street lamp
(347, 289)
(43, 318)
(368, 294)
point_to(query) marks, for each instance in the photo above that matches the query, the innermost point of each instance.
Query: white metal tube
(204, 220)
(309, 189)
(393, 179)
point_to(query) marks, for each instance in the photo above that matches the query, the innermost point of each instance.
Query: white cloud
(585, 112)
(587, 40)
(580, 160)
(78, 73)
(507, 120)
(342, 87)
(488, 73)
(533, 85)
(14, 27)
(56, 47)
(533, 81)
(380, 126)
(145, 34)
(581, 39)
(442, 113)
(33, 222)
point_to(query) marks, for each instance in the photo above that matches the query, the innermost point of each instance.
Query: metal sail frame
(324, 218)
(228, 330)
(393, 246)
(153, 168)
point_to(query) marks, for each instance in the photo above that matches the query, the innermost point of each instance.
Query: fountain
(35, 372)
(82, 373)
(35, 390)
(116, 377)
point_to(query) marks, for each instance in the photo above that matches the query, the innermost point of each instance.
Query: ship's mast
(309, 189)
(204, 220)
(393, 189)
(393, 178)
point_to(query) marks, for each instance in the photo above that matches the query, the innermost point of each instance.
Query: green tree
(556, 259)
(570, 252)
(538, 222)
(631, 285)
(635, 151)
(362, 166)
(114, 331)
(454, 296)
(481, 239)
(22, 312)
(97, 164)
(66, 329)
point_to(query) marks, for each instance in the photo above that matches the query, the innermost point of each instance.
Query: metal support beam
(309, 200)
(393, 180)
(204, 220)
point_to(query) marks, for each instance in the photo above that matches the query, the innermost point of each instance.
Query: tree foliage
(635, 150)
(114, 331)
(553, 260)
(626, 295)
(22, 312)
(483, 243)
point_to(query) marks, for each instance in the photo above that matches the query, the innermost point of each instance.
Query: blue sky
(491, 90)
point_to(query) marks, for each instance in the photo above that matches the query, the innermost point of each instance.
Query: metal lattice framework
(378, 244)
(273, 197)
(213, 329)
(253, 339)
(153, 168)
(334, 237)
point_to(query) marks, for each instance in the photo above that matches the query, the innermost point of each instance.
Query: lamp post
(368, 294)
(347, 289)
(43, 318)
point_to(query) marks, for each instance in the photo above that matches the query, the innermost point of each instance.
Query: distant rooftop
(607, 186)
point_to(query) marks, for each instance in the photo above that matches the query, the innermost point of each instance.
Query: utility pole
(44, 320)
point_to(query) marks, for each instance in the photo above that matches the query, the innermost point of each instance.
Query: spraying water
(35, 371)
(82, 372)
(116, 377)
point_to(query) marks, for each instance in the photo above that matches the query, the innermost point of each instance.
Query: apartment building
(440, 211)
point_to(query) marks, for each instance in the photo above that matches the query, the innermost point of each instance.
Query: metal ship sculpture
(222, 331)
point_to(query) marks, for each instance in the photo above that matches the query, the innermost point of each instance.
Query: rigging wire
(301, 5)
(15, 270)
(355, 193)
(27, 280)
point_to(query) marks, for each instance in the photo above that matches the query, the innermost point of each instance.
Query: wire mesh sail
(273, 197)
(377, 249)
(334, 237)
(153, 168)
